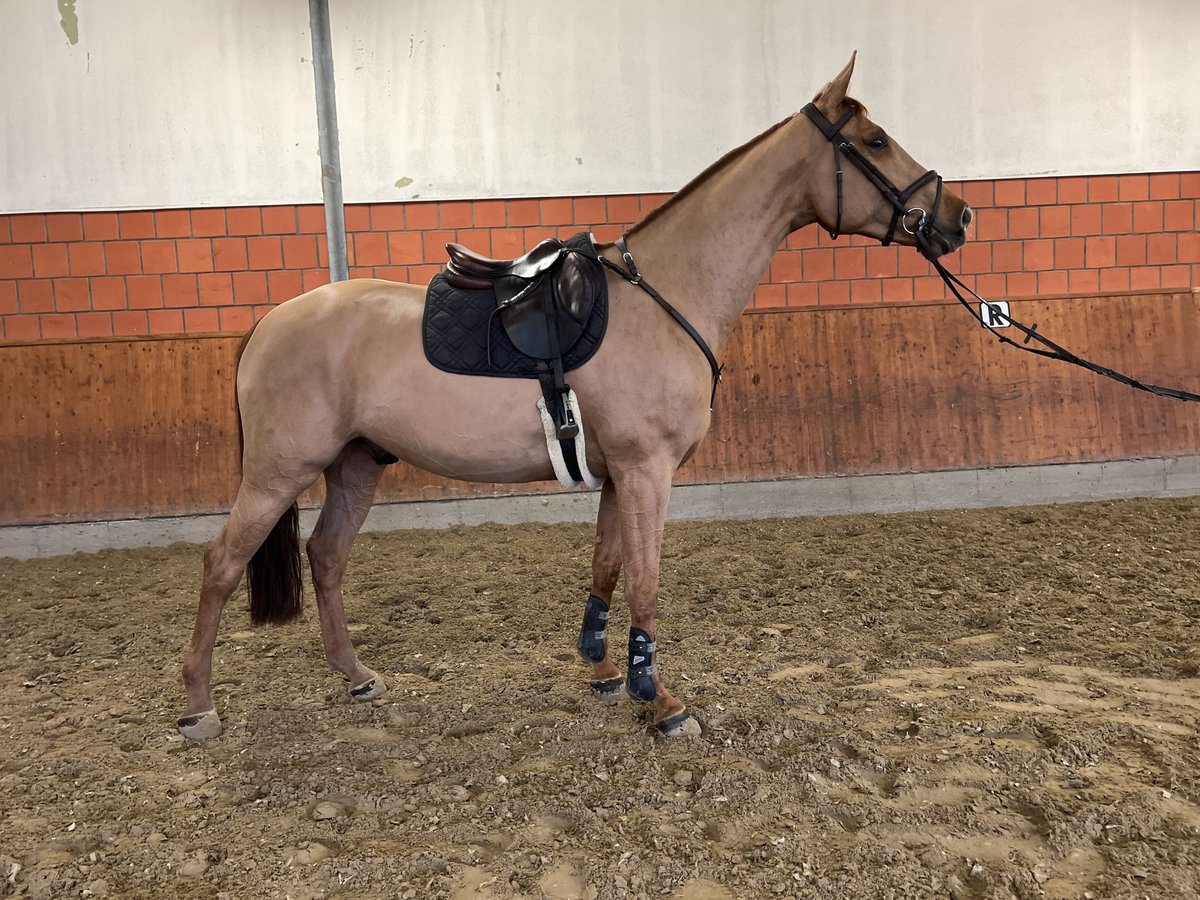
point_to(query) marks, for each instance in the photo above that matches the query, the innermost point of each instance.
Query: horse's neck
(708, 247)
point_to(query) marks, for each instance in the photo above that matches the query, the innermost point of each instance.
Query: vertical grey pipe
(327, 130)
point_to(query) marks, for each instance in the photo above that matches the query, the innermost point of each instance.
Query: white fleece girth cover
(555, 448)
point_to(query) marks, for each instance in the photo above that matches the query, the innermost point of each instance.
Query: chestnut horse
(334, 380)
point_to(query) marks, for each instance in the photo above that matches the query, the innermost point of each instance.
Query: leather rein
(920, 230)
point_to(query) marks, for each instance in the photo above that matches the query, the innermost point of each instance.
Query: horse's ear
(830, 98)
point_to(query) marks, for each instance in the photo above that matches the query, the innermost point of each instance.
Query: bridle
(902, 213)
(921, 229)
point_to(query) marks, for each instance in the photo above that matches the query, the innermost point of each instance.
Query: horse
(335, 382)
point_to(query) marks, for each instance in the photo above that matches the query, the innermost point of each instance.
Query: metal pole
(327, 130)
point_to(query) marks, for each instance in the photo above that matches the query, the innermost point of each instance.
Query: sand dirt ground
(997, 703)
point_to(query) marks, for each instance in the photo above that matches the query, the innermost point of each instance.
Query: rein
(924, 224)
(634, 277)
(1049, 348)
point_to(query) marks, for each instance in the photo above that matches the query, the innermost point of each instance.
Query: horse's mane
(856, 105)
(735, 153)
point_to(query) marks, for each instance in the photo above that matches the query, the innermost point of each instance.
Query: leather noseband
(901, 212)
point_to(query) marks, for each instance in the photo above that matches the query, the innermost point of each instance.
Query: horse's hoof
(679, 725)
(369, 689)
(201, 726)
(608, 690)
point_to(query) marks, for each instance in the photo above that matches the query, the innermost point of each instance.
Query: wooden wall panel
(917, 388)
(110, 429)
(121, 428)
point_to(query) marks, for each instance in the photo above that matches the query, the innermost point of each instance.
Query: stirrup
(565, 426)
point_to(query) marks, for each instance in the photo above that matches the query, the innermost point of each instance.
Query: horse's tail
(273, 577)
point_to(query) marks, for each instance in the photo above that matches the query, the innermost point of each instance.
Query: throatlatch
(593, 634)
(639, 682)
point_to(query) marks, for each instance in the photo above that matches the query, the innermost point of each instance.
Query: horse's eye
(877, 143)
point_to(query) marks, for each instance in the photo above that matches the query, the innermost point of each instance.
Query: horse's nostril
(967, 216)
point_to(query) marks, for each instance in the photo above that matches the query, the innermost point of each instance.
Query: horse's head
(865, 183)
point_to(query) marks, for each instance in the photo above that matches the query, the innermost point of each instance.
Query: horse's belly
(471, 429)
(486, 467)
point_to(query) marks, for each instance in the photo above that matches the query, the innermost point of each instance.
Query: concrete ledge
(962, 489)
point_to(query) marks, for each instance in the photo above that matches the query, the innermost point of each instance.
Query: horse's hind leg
(606, 570)
(255, 515)
(350, 483)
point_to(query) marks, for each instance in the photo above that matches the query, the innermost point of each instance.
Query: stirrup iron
(565, 426)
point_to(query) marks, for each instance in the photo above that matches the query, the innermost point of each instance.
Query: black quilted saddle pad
(456, 330)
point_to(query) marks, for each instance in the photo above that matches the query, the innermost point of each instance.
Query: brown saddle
(544, 300)
(474, 271)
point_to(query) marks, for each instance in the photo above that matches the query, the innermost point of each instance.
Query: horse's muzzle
(943, 240)
(942, 243)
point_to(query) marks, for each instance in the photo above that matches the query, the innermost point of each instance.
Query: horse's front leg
(642, 494)
(607, 679)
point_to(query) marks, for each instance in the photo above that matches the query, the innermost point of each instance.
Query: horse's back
(338, 311)
(306, 360)
(331, 330)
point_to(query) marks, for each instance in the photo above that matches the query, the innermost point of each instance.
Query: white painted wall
(209, 102)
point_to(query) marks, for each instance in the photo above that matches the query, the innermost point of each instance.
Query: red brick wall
(67, 275)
